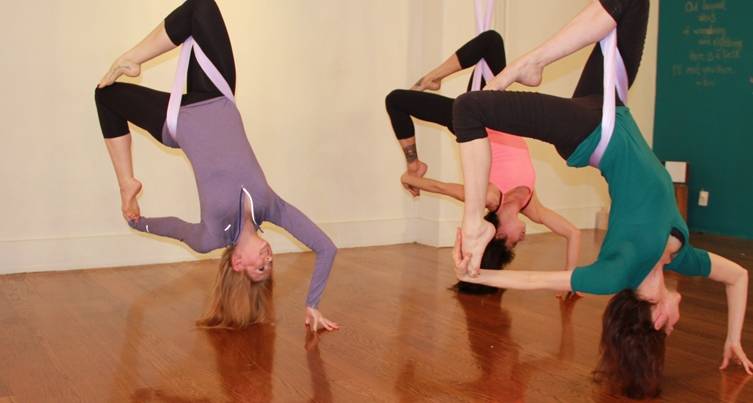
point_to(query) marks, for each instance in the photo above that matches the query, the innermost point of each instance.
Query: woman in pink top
(510, 192)
(512, 177)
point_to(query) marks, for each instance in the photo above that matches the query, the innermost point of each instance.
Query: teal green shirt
(642, 215)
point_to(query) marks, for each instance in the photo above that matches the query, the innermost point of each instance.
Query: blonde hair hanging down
(236, 301)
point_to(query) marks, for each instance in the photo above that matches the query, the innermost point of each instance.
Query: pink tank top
(511, 163)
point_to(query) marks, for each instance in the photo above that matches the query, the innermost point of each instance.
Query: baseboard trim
(134, 248)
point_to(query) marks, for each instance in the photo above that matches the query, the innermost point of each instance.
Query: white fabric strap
(615, 76)
(483, 23)
(173, 106)
(251, 202)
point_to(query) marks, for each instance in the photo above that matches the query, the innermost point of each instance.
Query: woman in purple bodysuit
(234, 195)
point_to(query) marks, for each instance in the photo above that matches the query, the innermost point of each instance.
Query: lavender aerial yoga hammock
(615, 76)
(173, 107)
(483, 23)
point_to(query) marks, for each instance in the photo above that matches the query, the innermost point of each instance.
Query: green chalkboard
(704, 107)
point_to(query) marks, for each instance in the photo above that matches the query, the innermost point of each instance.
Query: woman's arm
(514, 279)
(304, 230)
(557, 224)
(735, 278)
(193, 235)
(522, 279)
(589, 26)
(454, 190)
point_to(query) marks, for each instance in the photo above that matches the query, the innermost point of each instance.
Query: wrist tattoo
(410, 153)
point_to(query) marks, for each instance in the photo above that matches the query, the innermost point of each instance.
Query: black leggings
(121, 103)
(563, 122)
(404, 104)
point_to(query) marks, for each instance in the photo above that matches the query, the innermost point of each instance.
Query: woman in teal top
(646, 233)
(642, 216)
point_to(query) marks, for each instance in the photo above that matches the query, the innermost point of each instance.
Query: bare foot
(526, 71)
(129, 205)
(118, 68)
(474, 243)
(426, 83)
(417, 168)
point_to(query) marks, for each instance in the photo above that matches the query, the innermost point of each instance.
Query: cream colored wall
(312, 77)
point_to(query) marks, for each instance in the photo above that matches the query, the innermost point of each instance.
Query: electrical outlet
(703, 198)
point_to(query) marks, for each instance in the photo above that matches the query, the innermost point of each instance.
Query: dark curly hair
(496, 256)
(632, 351)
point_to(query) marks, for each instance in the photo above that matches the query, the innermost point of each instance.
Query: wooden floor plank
(127, 335)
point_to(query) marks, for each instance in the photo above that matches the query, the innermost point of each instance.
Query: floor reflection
(244, 360)
(731, 384)
(319, 379)
(497, 357)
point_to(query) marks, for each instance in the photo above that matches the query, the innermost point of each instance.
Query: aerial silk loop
(615, 76)
(483, 23)
(173, 106)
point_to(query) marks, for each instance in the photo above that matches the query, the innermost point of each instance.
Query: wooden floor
(127, 335)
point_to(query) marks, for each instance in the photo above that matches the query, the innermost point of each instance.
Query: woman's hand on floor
(734, 351)
(315, 320)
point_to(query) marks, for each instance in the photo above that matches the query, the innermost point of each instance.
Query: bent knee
(202, 6)
(492, 37)
(392, 100)
(466, 105)
(104, 95)
(467, 117)
(98, 94)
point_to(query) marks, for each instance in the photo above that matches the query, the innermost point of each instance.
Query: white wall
(312, 77)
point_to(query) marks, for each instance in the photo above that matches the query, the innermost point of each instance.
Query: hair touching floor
(632, 351)
(236, 302)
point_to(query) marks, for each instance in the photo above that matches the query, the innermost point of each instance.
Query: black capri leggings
(404, 104)
(563, 122)
(121, 103)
